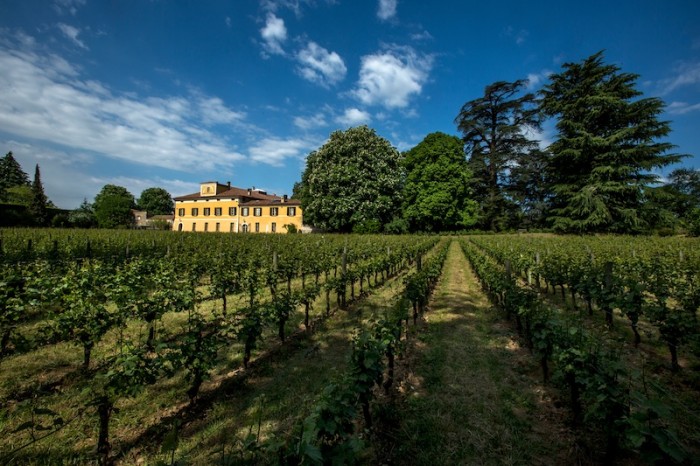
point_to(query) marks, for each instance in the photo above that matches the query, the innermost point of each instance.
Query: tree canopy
(156, 201)
(38, 206)
(352, 182)
(494, 133)
(11, 174)
(113, 206)
(436, 195)
(606, 147)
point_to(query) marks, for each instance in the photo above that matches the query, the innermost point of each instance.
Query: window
(217, 226)
(245, 228)
(206, 226)
(257, 227)
(194, 227)
(291, 211)
(232, 212)
(180, 212)
(195, 211)
(217, 211)
(274, 227)
(179, 227)
(244, 211)
(274, 211)
(257, 211)
(231, 228)
(207, 211)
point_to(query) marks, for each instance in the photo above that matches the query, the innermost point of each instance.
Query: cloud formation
(392, 77)
(274, 34)
(44, 98)
(354, 117)
(310, 122)
(681, 108)
(274, 151)
(387, 9)
(72, 33)
(318, 65)
(687, 74)
(68, 6)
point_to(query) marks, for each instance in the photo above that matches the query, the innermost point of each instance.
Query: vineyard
(125, 347)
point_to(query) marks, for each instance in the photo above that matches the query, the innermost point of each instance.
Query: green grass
(471, 395)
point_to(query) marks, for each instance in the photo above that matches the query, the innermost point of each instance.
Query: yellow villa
(224, 208)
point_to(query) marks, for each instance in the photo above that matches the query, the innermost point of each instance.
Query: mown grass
(471, 393)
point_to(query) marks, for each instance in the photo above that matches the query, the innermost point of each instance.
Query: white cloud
(353, 117)
(69, 6)
(310, 122)
(274, 34)
(318, 65)
(273, 151)
(72, 33)
(214, 111)
(681, 108)
(518, 36)
(686, 74)
(57, 166)
(535, 80)
(387, 9)
(422, 36)
(45, 99)
(293, 5)
(392, 77)
(228, 22)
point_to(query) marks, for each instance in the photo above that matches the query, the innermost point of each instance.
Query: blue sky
(169, 93)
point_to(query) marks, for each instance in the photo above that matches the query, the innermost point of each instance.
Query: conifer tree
(11, 174)
(38, 207)
(493, 129)
(607, 145)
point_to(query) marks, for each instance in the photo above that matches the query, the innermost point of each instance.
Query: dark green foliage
(436, 192)
(353, 179)
(156, 201)
(38, 206)
(11, 174)
(83, 216)
(113, 207)
(493, 129)
(529, 187)
(605, 150)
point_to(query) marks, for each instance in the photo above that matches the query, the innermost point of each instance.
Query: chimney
(228, 183)
(284, 198)
(249, 192)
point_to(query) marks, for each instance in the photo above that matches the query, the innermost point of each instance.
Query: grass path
(472, 394)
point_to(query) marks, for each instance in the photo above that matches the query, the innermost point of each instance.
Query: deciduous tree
(113, 206)
(436, 196)
(156, 201)
(352, 182)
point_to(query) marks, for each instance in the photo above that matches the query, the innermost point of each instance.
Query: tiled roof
(289, 202)
(233, 192)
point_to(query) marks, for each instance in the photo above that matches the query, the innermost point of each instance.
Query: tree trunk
(5, 341)
(194, 388)
(87, 351)
(104, 410)
(390, 370)
(306, 315)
